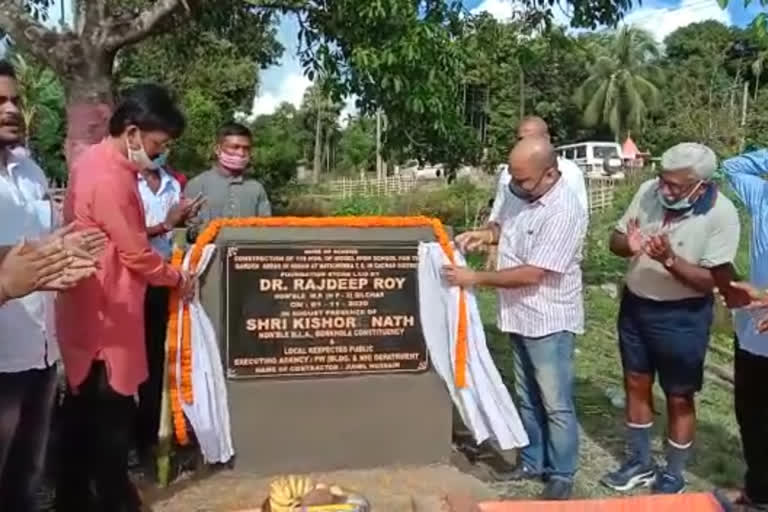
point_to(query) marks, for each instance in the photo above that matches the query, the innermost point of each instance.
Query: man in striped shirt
(541, 307)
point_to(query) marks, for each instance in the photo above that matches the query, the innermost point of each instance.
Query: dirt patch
(403, 489)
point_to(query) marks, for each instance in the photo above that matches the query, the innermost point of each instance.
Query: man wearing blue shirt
(745, 174)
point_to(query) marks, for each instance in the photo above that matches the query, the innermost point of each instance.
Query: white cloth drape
(484, 404)
(209, 412)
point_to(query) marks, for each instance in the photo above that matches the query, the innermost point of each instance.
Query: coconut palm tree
(620, 91)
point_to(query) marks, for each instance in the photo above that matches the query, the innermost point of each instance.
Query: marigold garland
(177, 413)
(186, 355)
(212, 231)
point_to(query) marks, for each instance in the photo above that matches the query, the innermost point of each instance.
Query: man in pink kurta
(101, 321)
(103, 318)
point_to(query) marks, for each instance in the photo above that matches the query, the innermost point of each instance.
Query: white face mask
(139, 156)
(20, 152)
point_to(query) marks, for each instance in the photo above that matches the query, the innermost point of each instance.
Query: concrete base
(340, 423)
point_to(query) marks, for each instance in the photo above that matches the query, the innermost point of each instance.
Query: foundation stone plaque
(320, 337)
(301, 311)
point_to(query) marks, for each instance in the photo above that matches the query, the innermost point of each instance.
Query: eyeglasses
(676, 188)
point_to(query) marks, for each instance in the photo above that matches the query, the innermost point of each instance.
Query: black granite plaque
(309, 310)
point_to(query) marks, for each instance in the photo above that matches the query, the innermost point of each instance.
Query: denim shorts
(666, 337)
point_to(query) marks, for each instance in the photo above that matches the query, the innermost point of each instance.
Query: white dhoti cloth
(209, 412)
(484, 404)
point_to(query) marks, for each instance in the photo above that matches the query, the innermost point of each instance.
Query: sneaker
(667, 483)
(557, 489)
(630, 475)
(522, 473)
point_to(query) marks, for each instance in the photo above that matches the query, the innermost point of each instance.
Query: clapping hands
(82, 247)
(56, 262)
(656, 247)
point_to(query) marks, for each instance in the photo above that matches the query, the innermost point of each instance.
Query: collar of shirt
(551, 194)
(232, 178)
(166, 183)
(26, 209)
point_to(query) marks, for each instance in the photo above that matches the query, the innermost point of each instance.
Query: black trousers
(151, 391)
(26, 405)
(97, 432)
(752, 414)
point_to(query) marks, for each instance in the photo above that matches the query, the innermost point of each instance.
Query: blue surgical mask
(682, 204)
(161, 160)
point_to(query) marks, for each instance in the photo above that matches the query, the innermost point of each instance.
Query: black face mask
(521, 193)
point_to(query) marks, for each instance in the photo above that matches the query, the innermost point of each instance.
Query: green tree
(357, 146)
(620, 91)
(497, 49)
(377, 50)
(43, 113)
(700, 96)
(320, 115)
(278, 147)
(214, 73)
(83, 55)
(558, 64)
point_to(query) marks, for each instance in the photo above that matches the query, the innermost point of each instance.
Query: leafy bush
(600, 264)
(362, 205)
(461, 205)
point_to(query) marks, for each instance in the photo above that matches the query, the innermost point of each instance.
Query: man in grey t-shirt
(678, 231)
(228, 192)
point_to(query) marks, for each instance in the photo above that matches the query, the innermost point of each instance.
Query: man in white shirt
(505, 203)
(28, 350)
(540, 307)
(571, 173)
(164, 209)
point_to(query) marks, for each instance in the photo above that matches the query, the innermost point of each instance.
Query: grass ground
(717, 459)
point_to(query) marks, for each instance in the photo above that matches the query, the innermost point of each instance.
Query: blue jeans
(543, 369)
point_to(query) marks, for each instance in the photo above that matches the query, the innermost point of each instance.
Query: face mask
(521, 193)
(684, 203)
(139, 156)
(161, 160)
(20, 152)
(232, 162)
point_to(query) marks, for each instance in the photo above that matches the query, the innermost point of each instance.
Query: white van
(593, 157)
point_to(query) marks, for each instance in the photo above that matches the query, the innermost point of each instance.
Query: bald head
(532, 167)
(532, 126)
(535, 153)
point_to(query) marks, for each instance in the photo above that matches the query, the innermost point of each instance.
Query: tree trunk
(318, 160)
(90, 99)
(328, 150)
(83, 56)
(378, 144)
